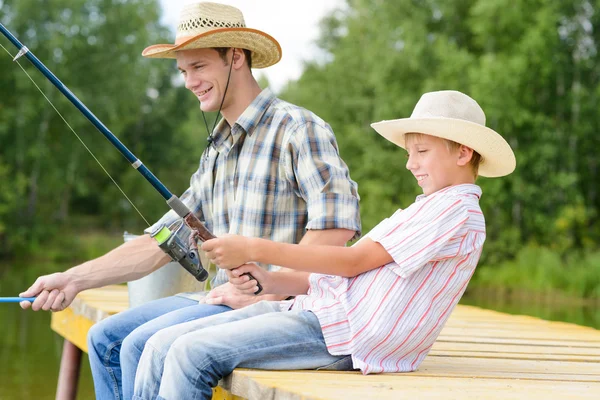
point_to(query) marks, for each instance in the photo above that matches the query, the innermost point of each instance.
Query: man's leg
(196, 355)
(133, 344)
(105, 337)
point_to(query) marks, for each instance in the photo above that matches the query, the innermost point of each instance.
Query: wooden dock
(480, 354)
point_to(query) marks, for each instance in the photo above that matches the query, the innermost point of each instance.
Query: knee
(190, 353)
(99, 336)
(160, 342)
(133, 344)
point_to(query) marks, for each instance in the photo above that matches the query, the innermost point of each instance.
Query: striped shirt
(274, 174)
(389, 317)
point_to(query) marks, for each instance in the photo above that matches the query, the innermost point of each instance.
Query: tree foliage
(533, 67)
(94, 47)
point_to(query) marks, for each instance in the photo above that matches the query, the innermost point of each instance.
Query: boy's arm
(230, 251)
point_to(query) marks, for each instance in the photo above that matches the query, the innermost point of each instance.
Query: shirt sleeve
(190, 199)
(318, 175)
(420, 237)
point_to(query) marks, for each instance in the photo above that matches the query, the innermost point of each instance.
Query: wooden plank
(540, 334)
(480, 353)
(531, 342)
(516, 348)
(333, 386)
(505, 368)
(516, 356)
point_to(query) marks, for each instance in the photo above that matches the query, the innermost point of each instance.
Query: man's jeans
(115, 344)
(186, 361)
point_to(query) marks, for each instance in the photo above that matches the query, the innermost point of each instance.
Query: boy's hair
(452, 146)
(223, 53)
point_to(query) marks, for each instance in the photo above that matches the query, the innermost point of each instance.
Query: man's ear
(465, 154)
(239, 57)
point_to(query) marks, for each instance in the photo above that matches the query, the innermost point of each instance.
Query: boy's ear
(464, 155)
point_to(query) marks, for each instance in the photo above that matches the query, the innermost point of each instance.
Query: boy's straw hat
(454, 116)
(206, 25)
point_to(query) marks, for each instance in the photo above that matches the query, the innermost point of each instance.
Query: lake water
(30, 351)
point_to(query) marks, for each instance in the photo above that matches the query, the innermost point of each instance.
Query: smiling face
(205, 75)
(435, 165)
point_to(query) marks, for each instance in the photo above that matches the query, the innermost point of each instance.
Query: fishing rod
(16, 299)
(169, 239)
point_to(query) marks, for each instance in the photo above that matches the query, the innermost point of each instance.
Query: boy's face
(434, 165)
(205, 75)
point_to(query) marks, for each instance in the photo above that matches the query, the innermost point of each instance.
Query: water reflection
(29, 350)
(552, 307)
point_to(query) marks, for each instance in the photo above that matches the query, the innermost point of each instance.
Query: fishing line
(78, 137)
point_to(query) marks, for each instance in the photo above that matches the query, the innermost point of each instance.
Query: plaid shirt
(275, 174)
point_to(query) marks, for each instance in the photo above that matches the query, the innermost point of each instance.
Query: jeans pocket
(343, 364)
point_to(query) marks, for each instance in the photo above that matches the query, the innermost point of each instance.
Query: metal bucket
(166, 281)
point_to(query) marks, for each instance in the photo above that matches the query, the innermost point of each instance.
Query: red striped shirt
(388, 318)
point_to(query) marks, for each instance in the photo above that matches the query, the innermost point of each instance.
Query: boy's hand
(227, 251)
(244, 284)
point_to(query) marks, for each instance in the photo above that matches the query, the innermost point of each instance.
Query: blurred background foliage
(532, 65)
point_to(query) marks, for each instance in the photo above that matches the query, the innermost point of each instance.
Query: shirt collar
(250, 118)
(247, 121)
(464, 189)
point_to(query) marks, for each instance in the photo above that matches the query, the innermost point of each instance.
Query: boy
(377, 306)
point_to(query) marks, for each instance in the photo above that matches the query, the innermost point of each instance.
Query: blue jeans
(115, 344)
(187, 361)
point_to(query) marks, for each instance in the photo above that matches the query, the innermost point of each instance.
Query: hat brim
(266, 51)
(497, 156)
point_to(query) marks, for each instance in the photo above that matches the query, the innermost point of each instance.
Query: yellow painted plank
(72, 327)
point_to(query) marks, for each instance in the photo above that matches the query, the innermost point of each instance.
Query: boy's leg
(133, 345)
(105, 337)
(258, 336)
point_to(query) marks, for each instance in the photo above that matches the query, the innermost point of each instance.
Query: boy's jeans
(115, 344)
(186, 361)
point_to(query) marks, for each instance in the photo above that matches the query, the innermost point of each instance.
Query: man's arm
(132, 260)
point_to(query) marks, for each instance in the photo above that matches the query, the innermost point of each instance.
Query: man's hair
(223, 54)
(451, 146)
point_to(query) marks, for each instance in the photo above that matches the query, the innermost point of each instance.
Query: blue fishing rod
(172, 239)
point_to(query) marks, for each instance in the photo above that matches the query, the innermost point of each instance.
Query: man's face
(432, 163)
(205, 75)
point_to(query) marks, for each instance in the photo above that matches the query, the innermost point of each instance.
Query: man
(271, 170)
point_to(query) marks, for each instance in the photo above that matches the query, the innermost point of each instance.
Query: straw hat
(454, 116)
(206, 25)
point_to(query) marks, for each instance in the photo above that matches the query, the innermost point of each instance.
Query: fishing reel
(175, 241)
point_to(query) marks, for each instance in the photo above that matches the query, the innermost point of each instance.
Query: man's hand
(228, 251)
(246, 285)
(228, 295)
(54, 292)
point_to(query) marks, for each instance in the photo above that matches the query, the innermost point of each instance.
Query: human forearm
(130, 261)
(332, 260)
